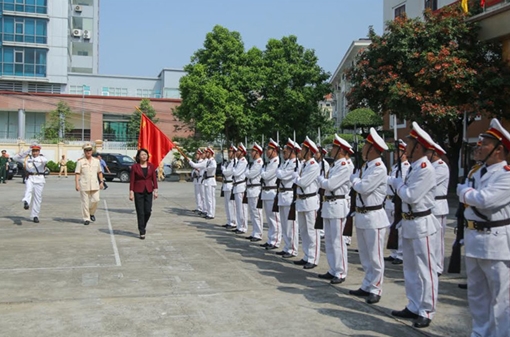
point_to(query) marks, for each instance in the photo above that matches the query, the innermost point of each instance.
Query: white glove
(295, 175)
(320, 179)
(396, 182)
(354, 177)
(461, 188)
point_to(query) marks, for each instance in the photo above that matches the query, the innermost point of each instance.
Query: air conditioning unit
(78, 9)
(86, 34)
(76, 32)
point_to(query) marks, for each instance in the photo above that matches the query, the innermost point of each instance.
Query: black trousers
(143, 206)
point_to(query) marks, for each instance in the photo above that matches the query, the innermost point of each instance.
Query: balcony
(494, 20)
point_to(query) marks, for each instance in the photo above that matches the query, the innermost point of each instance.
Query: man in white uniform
(324, 165)
(389, 206)
(440, 209)
(371, 220)
(196, 176)
(253, 190)
(419, 230)
(307, 204)
(268, 175)
(34, 164)
(285, 174)
(487, 237)
(239, 188)
(227, 169)
(209, 181)
(335, 209)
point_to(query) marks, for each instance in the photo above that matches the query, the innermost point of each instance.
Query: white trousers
(241, 213)
(274, 232)
(371, 254)
(489, 296)
(255, 217)
(33, 196)
(336, 248)
(395, 253)
(199, 199)
(420, 275)
(210, 200)
(440, 244)
(230, 208)
(310, 239)
(290, 231)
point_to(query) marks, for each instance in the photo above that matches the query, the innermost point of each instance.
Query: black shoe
(281, 253)
(36, 220)
(237, 231)
(389, 258)
(404, 313)
(249, 237)
(255, 239)
(397, 261)
(269, 247)
(288, 255)
(233, 228)
(142, 236)
(105, 187)
(226, 226)
(462, 286)
(86, 223)
(373, 298)
(92, 218)
(264, 245)
(360, 292)
(309, 265)
(25, 205)
(300, 262)
(207, 217)
(337, 280)
(421, 322)
(326, 276)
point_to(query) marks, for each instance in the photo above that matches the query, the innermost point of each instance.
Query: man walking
(103, 168)
(88, 181)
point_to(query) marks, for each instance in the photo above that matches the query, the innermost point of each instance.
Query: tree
(362, 119)
(58, 123)
(432, 71)
(133, 128)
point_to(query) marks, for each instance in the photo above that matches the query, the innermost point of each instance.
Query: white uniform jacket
(337, 184)
(417, 192)
(286, 175)
(210, 171)
(442, 180)
(371, 188)
(253, 178)
(240, 175)
(227, 169)
(200, 166)
(307, 184)
(33, 165)
(268, 175)
(489, 195)
(393, 173)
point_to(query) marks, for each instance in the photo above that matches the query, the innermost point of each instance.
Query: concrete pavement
(190, 277)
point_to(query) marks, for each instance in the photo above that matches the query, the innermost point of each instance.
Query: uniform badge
(441, 162)
(378, 163)
(507, 168)
(312, 162)
(423, 165)
(259, 160)
(406, 164)
(344, 163)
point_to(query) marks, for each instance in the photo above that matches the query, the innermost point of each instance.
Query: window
(400, 11)
(144, 93)
(33, 124)
(431, 4)
(23, 62)
(25, 30)
(79, 90)
(8, 124)
(27, 6)
(115, 131)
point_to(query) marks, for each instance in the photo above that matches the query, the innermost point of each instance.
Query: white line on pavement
(112, 236)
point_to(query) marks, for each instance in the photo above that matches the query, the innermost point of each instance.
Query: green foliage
(52, 166)
(237, 93)
(71, 166)
(133, 128)
(362, 118)
(58, 124)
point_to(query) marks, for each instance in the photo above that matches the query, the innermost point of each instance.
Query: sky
(140, 38)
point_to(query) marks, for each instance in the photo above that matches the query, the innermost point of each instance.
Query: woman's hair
(137, 157)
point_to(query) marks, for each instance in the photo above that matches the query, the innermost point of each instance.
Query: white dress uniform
(324, 170)
(253, 189)
(268, 175)
(239, 187)
(488, 249)
(371, 224)
(441, 209)
(285, 196)
(227, 170)
(34, 185)
(389, 206)
(210, 187)
(307, 204)
(348, 239)
(335, 209)
(199, 168)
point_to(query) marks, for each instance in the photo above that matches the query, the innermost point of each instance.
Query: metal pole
(82, 114)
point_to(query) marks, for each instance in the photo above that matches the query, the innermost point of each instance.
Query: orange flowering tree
(431, 70)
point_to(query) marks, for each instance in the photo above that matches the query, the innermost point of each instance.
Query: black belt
(480, 226)
(269, 188)
(413, 215)
(333, 197)
(239, 182)
(365, 209)
(253, 185)
(306, 196)
(208, 177)
(285, 189)
(441, 197)
(227, 181)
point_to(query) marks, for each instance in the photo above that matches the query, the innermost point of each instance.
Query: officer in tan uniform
(87, 171)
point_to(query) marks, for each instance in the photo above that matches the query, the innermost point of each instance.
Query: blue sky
(139, 38)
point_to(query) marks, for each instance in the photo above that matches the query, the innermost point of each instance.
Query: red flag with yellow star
(153, 140)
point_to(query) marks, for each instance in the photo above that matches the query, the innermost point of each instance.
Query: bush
(71, 166)
(52, 166)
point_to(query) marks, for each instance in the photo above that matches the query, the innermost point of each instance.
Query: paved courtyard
(190, 277)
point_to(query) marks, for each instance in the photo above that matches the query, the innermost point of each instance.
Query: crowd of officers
(289, 193)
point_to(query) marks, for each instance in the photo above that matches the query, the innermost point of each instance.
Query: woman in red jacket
(143, 187)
